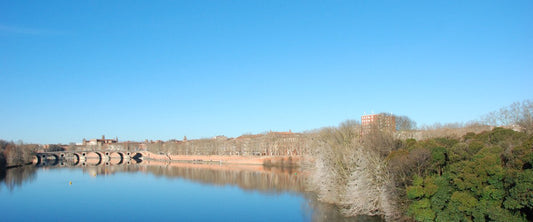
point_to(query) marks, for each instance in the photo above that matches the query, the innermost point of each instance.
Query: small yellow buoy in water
(70, 183)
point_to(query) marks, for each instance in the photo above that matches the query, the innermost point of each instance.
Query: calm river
(160, 192)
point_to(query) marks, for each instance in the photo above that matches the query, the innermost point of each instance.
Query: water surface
(178, 192)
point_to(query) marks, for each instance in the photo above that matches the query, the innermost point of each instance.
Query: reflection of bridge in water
(87, 158)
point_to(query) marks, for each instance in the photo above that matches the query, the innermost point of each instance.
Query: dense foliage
(479, 177)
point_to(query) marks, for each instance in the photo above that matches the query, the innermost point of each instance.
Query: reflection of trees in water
(2, 174)
(14, 177)
(320, 211)
(267, 181)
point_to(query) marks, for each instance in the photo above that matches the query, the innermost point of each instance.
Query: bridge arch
(116, 155)
(94, 158)
(77, 157)
(45, 159)
(71, 158)
(117, 158)
(38, 159)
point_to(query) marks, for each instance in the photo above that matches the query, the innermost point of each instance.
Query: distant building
(381, 121)
(281, 133)
(99, 141)
(220, 137)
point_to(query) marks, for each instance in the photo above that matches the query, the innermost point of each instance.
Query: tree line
(16, 154)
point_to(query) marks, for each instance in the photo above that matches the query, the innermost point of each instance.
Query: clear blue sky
(166, 69)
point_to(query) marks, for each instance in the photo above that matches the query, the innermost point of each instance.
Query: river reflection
(15, 177)
(271, 190)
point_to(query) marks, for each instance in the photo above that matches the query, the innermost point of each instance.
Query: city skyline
(165, 70)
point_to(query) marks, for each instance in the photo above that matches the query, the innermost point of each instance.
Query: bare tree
(351, 173)
(518, 114)
(17, 154)
(404, 123)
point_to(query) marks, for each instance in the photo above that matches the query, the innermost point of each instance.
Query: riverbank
(285, 161)
(18, 165)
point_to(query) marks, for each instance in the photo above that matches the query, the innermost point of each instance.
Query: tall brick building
(381, 121)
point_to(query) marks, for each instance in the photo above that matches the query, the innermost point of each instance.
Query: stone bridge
(84, 158)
